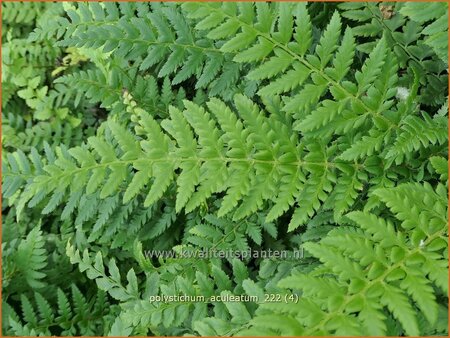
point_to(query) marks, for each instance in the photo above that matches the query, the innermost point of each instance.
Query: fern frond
(407, 33)
(31, 258)
(125, 86)
(247, 145)
(440, 164)
(368, 263)
(159, 37)
(18, 13)
(436, 31)
(417, 133)
(40, 317)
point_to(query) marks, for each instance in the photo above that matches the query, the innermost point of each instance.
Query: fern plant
(137, 136)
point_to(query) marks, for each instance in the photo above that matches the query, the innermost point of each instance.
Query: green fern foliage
(405, 26)
(264, 168)
(434, 32)
(158, 37)
(374, 271)
(70, 315)
(224, 169)
(30, 257)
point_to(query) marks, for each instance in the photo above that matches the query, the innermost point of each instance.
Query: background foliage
(137, 126)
